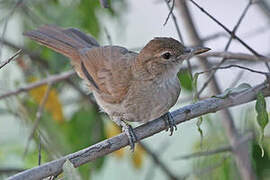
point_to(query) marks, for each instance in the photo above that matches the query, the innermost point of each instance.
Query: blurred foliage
(59, 134)
(222, 166)
(52, 104)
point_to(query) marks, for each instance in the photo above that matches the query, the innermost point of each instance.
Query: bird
(128, 86)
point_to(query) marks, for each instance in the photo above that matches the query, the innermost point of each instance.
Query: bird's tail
(64, 41)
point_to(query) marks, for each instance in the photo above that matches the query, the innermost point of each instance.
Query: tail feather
(64, 41)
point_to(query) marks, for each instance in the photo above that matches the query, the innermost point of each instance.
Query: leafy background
(71, 122)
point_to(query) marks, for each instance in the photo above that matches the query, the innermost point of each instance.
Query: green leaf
(185, 80)
(229, 91)
(262, 117)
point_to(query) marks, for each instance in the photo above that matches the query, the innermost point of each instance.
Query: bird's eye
(166, 55)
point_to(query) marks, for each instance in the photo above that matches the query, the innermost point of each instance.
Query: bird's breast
(148, 100)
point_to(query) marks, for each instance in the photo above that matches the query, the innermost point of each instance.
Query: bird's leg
(169, 122)
(128, 130)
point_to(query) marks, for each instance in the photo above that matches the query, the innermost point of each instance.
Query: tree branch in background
(38, 117)
(216, 151)
(107, 146)
(237, 56)
(14, 57)
(226, 47)
(50, 79)
(241, 154)
(157, 161)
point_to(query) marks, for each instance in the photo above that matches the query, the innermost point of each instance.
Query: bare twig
(38, 117)
(146, 130)
(236, 66)
(174, 20)
(50, 79)
(170, 12)
(10, 59)
(6, 19)
(237, 56)
(214, 36)
(227, 47)
(162, 148)
(227, 30)
(206, 153)
(244, 139)
(156, 159)
(178, 30)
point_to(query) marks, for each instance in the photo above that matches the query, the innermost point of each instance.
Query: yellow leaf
(137, 157)
(112, 130)
(52, 105)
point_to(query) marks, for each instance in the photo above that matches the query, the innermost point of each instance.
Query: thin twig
(227, 30)
(214, 36)
(205, 153)
(143, 131)
(157, 160)
(243, 139)
(170, 12)
(6, 19)
(50, 79)
(38, 117)
(236, 66)
(14, 57)
(227, 47)
(175, 21)
(162, 148)
(237, 56)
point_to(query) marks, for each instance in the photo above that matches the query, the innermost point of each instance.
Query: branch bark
(107, 146)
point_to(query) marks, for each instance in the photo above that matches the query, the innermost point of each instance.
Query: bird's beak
(196, 50)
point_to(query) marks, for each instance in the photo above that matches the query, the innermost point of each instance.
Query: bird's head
(163, 54)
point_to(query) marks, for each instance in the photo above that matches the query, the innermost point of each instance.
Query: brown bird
(128, 86)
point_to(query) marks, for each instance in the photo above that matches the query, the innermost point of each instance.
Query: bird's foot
(128, 130)
(169, 122)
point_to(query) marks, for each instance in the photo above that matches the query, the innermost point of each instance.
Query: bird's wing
(107, 70)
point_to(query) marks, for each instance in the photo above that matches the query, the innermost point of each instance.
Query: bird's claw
(128, 130)
(169, 123)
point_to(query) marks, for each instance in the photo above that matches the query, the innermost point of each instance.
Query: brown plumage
(128, 86)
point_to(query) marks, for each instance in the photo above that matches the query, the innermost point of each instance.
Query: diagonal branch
(107, 146)
(10, 59)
